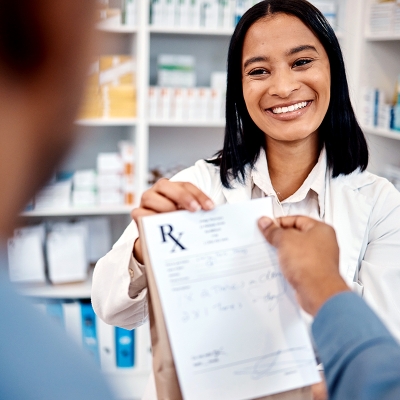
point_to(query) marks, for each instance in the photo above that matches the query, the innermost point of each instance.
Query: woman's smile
(289, 111)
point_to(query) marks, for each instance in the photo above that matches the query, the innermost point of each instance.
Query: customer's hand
(319, 390)
(166, 196)
(309, 258)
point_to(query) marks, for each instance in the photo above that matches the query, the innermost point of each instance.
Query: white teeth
(293, 107)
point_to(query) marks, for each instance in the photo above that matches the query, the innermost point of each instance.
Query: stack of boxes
(329, 9)
(177, 99)
(55, 194)
(186, 104)
(92, 106)
(112, 183)
(376, 112)
(115, 176)
(84, 188)
(384, 18)
(109, 179)
(214, 14)
(110, 17)
(111, 88)
(210, 14)
(176, 70)
(127, 151)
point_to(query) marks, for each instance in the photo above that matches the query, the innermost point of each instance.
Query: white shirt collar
(315, 181)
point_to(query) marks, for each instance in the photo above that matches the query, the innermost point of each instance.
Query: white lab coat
(363, 208)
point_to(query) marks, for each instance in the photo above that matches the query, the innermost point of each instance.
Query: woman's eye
(302, 62)
(257, 71)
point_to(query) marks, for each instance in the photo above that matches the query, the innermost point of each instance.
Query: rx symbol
(166, 231)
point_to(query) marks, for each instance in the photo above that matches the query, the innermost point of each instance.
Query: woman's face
(285, 77)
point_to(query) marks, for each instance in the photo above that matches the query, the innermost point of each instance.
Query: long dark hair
(339, 132)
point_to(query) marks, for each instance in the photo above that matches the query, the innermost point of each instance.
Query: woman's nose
(282, 83)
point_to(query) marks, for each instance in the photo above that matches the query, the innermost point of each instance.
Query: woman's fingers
(167, 196)
(151, 200)
(183, 194)
(141, 212)
(205, 202)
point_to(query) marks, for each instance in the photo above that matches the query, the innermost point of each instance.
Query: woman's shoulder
(376, 188)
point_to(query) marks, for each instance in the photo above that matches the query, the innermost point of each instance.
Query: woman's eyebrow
(253, 60)
(290, 52)
(298, 49)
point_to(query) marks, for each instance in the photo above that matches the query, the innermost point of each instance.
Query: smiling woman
(291, 134)
(283, 51)
(286, 89)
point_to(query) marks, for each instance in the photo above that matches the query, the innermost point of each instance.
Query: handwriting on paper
(233, 323)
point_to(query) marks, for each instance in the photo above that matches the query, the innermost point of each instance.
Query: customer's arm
(360, 357)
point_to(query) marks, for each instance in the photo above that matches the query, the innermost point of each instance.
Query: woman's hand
(166, 196)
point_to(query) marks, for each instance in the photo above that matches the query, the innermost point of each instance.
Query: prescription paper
(233, 323)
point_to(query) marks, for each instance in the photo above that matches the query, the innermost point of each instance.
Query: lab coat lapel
(348, 211)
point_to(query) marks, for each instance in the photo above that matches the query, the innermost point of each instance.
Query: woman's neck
(289, 163)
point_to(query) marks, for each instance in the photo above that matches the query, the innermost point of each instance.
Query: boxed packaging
(328, 9)
(110, 197)
(108, 17)
(176, 70)
(119, 101)
(67, 252)
(84, 197)
(109, 163)
(129, 12)
(26, 255)
(127, 151)
(111, 88)
(84, 179)
(55, 195)
(381, 17)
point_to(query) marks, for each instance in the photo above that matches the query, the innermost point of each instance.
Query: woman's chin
(289, 137)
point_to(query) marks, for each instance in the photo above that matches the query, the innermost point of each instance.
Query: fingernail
(209, 204)
(194, 205)
(264, 222)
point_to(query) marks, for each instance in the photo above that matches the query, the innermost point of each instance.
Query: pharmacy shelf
(201, 31)
(193, 124)
(107, 122)
(98, 210)
(191, 31)
(382, 38)
(392, 134)
(81, 290)
(107, 27)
